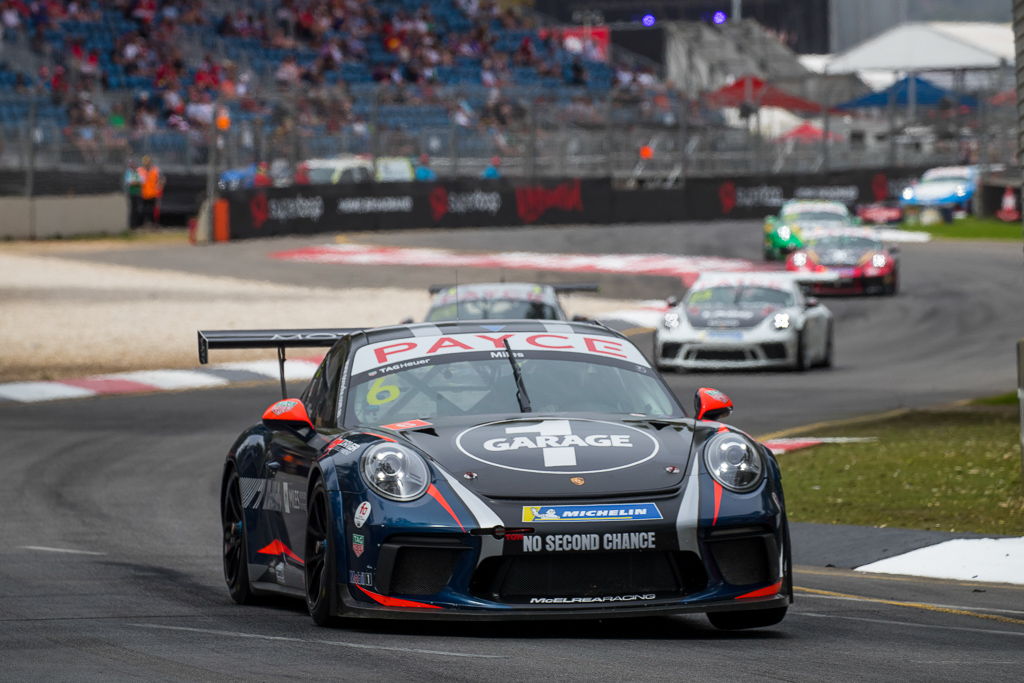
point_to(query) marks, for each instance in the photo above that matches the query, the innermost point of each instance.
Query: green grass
(1007, 399)
(972, 228)
(955, 470)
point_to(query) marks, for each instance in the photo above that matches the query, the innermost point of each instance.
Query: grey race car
(745, 320)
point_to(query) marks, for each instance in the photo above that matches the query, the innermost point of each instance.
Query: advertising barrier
(758, 196)
(480, 203)
(448, 204)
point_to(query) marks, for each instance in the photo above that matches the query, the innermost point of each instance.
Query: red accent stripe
(762, 592)
(110, 386)
(276, 547)
(436, 495)
(718, 502)
(396, 602)
(381, 436)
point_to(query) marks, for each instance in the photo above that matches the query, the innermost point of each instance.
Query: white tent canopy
(933, 45)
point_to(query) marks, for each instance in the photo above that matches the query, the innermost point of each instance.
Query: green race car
(784, 233)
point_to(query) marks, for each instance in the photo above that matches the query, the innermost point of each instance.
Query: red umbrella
(806, 132)
(753, 90)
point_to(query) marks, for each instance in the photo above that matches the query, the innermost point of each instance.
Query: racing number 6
(381, 393)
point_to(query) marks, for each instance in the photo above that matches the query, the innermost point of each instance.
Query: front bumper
(717, 354)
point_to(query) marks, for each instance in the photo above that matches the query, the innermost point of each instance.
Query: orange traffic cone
(1009, 211)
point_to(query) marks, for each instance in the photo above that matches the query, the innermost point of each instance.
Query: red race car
(862, 264)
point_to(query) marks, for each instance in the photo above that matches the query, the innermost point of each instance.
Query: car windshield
(815, 217)
(491, 309)
(461, 384)
(739, 295)
(846, 242)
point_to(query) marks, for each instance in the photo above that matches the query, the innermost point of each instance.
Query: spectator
(492, 171)
(133, 188)
(262, 177)
(151, 190)
(423, 171)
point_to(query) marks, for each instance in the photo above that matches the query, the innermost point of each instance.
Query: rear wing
(579, 287)
(560, 289)
(270, 339)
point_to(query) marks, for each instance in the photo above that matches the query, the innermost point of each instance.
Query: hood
(538, 456)
(840, 257)
(726, 317)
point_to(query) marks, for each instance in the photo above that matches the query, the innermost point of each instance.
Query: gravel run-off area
(63, 318)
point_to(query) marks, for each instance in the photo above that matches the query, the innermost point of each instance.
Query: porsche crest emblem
(579, 481)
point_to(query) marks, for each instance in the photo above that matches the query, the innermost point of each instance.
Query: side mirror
(711, 404)
(581, 319)
(811, 302)
(406, 321)
(289, 415)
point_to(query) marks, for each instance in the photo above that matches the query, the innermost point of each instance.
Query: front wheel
(754, 618)
(829, 348)
(236, 558)
(802, 358)
(320, 569)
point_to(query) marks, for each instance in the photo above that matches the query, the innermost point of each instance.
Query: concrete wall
(46, 217)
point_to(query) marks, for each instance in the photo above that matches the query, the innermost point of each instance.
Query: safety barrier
(470, 202)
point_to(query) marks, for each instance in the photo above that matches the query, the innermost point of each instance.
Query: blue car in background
(950, 189)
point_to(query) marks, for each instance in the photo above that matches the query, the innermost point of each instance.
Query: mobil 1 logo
(559, 446)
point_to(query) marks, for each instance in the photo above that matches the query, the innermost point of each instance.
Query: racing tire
(319, 568)
(236, 548)
(802, 362)
(826, 362)
(753, 618)
(893, 287)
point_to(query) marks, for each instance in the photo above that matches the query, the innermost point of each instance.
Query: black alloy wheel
(236, 562)
(320, 567)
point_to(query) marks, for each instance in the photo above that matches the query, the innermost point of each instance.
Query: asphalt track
(130, 482)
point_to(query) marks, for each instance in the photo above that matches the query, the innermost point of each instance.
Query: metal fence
(639, 137)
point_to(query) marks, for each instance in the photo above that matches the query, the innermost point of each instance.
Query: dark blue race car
(515, 469)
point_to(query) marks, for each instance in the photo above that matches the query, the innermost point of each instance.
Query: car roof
(490, 327)
(799, 205)
(949, 172)
(525, 291)
(777, 280)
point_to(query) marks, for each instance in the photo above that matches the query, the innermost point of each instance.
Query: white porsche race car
(744, 320)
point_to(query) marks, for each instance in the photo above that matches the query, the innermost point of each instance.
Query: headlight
(799, 259)
(781, 321)
(671, 321)
(879, 261)
(733, 461)
(784, 233)
(908, 193)
(394, 471)
(960, 191)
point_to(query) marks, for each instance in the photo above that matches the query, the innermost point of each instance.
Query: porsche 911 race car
(507, 469)
(862, 264)
(783, 234)
(505, 300)
(950, 189)
(744, 320)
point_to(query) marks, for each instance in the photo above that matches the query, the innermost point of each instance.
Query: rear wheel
(236, 557)
(754, 618)
(320, 567)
